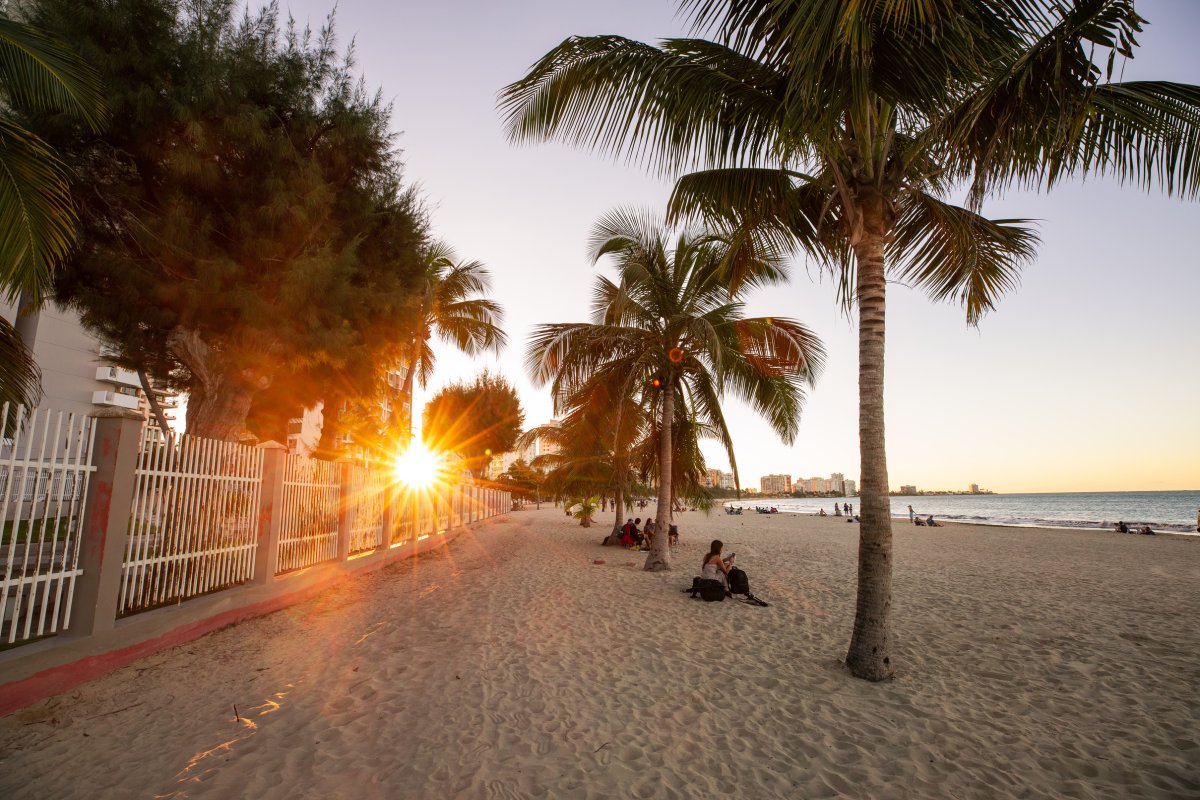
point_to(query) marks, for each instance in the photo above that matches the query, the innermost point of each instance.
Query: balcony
(118, 376)
(115, 399)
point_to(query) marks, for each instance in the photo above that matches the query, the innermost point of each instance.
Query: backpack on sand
(739, 583)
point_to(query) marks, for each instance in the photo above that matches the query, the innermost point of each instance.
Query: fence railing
(99, 519)
(45, 465)
(309, 528)
(368, 498)
(194, 521)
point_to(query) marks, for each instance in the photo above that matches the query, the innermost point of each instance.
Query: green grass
(55, 530)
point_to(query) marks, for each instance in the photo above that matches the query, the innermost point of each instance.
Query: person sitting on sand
(837, 510)
(932, 523)
(714, 567)
(822, 514)
(1122, 527)
(627, 537)
(1145, 530)
(673, 534)
(918, 521)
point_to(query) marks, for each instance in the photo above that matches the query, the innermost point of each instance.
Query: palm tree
(451, 306)
(844, 128)
(37, 217)
(669, 331)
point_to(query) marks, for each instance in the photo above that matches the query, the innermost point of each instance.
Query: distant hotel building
(541, 447)
(908, 489)
(835, 484)
(726, 481)
(776, 484)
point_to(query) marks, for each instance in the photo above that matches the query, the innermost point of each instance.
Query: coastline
(1029, 663)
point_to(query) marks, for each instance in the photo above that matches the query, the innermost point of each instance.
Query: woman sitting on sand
(714, 567)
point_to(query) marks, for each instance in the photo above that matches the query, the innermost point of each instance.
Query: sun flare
(417, 467)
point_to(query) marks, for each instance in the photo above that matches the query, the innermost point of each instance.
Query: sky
(1087, 378)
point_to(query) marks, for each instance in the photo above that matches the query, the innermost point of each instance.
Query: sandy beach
(1030, 663)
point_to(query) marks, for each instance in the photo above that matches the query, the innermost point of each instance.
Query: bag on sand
(739, 583)
(708, 590)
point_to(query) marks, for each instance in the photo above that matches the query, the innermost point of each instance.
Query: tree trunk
(218, 399)
(659, 559)
(406, 392)
(619, 507)
(870, 654)
(155, 408)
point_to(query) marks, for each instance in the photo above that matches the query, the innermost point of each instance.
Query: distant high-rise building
(776, 484)
(974, 488)
(851, 488)
(906, 489)
(837, 483)
(726, 481)
(816, 486)
(713, 478)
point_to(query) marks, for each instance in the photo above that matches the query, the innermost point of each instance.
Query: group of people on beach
(637, 538)
(915, 519)
(1144, 530)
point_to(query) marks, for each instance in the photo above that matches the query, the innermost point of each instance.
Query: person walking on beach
(911, 513)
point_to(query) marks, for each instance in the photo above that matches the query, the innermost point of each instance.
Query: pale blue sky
(1086, 378)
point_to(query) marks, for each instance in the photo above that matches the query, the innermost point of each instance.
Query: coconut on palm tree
(844, 129)
(37, 218)
(669, 331)
(451, 305)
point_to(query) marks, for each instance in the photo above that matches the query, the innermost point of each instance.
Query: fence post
(345, 507)
(270, 515)
(106, 520)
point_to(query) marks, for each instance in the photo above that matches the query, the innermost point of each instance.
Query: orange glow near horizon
(418, 467)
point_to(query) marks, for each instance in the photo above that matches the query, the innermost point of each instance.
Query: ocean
(1173, 512)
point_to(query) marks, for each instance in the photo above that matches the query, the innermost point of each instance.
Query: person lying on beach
(1145, 530)
(714, 567)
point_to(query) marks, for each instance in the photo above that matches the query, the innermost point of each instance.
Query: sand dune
(1033, 664)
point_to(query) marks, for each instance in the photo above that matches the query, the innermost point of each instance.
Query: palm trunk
(660, 552)
(406, 392)
(619, 507)
(870, 655)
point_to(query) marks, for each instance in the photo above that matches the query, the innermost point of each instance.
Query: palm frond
(40, 73)
(954, 253)
(20, 378)
(37, 216)
(667, 107)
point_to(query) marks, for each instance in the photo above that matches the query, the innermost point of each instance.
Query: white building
(77, 374)
(726, 481)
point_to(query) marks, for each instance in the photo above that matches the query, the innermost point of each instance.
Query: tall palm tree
(669, 331)
(37, 218)
(844, 128)
(451, 305)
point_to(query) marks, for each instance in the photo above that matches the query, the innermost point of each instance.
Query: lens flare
(418, 467)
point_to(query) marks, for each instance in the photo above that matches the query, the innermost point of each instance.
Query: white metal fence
(45, 463)
(309, 526)
(194, 522)
(368, 495)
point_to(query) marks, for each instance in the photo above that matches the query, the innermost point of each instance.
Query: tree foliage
(476, 420)
(669, 333)
(244, 225)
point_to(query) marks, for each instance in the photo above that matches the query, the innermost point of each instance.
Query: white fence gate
(194, 522)
(45, 463)
(309, 528)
